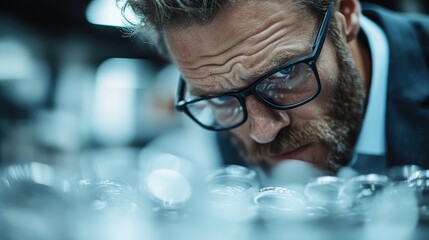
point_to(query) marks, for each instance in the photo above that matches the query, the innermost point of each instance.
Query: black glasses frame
(309, 59)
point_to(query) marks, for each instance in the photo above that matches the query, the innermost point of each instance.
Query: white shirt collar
(371, 139)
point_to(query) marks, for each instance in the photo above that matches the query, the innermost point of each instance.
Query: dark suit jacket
(407, 111)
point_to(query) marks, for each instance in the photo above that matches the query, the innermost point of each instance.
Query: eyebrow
(278, 61)
(202, 92)
(197, 92)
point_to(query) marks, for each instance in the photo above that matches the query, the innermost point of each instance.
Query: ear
(348, 17)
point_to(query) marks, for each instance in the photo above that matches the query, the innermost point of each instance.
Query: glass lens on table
(280, 202)
(230, 192)
(358, 192)
(108, 195)
(168, 180)
(34, 173)
(324, 190)
(232, 180)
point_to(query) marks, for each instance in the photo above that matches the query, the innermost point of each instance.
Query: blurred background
(75, 88)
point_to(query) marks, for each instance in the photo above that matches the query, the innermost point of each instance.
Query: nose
(265, 123)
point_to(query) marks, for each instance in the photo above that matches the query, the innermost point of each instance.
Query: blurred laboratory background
(74, 85)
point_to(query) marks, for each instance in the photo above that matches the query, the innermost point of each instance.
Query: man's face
(249, 38)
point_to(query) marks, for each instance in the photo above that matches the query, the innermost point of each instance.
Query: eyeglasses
(288, 86)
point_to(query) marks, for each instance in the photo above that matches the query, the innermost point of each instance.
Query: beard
(337, 129)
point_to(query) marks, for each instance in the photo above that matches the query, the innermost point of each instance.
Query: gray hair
(156, 16)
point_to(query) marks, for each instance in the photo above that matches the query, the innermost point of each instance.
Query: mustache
(291, 138)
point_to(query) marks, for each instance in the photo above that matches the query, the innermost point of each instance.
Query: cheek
(327, 67)
(308, 112)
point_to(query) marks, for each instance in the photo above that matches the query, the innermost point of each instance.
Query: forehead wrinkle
(214, 86)
(275, 25)
(250, 72)
(236, 78)
(249, 59)
(215, 61)
(218, 84)
(284, 54)
(241, 74)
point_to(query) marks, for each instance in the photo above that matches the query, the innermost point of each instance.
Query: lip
(296, 154)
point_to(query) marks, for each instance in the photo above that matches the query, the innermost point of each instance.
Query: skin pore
(240, 44)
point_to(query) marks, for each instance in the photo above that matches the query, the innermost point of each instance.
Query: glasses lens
(219, 112)
(289, 85)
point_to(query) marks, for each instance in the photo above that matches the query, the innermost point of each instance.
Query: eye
(221, 101)
(285, 72)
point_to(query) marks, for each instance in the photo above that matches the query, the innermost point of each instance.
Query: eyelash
(293, 73)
